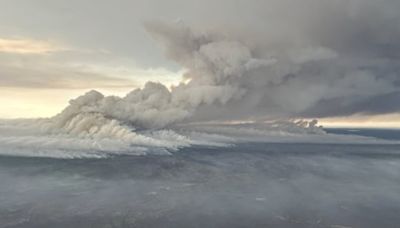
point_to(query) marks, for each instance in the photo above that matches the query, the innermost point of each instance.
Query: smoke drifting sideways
(225, 80)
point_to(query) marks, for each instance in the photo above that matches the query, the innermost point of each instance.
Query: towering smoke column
(215, 69)
(227, 78)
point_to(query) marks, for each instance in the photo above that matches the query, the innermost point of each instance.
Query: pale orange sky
(32, 103)
(357, 121)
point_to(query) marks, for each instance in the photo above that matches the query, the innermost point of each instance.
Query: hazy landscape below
(247, 185)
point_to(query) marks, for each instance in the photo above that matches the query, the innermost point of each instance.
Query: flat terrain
(249, 185)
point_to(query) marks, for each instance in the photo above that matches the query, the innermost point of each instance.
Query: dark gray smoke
(326, 58)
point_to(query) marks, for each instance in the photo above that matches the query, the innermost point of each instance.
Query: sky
(335, 60)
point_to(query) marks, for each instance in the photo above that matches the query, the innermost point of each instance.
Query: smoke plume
(333, 62)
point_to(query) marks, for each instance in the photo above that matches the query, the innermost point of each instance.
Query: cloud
(27, 46)
(60, 70)
(46, 76)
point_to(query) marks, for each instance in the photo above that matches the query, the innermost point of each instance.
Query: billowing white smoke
(147, 118)
(214, 71)
(227, 78)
